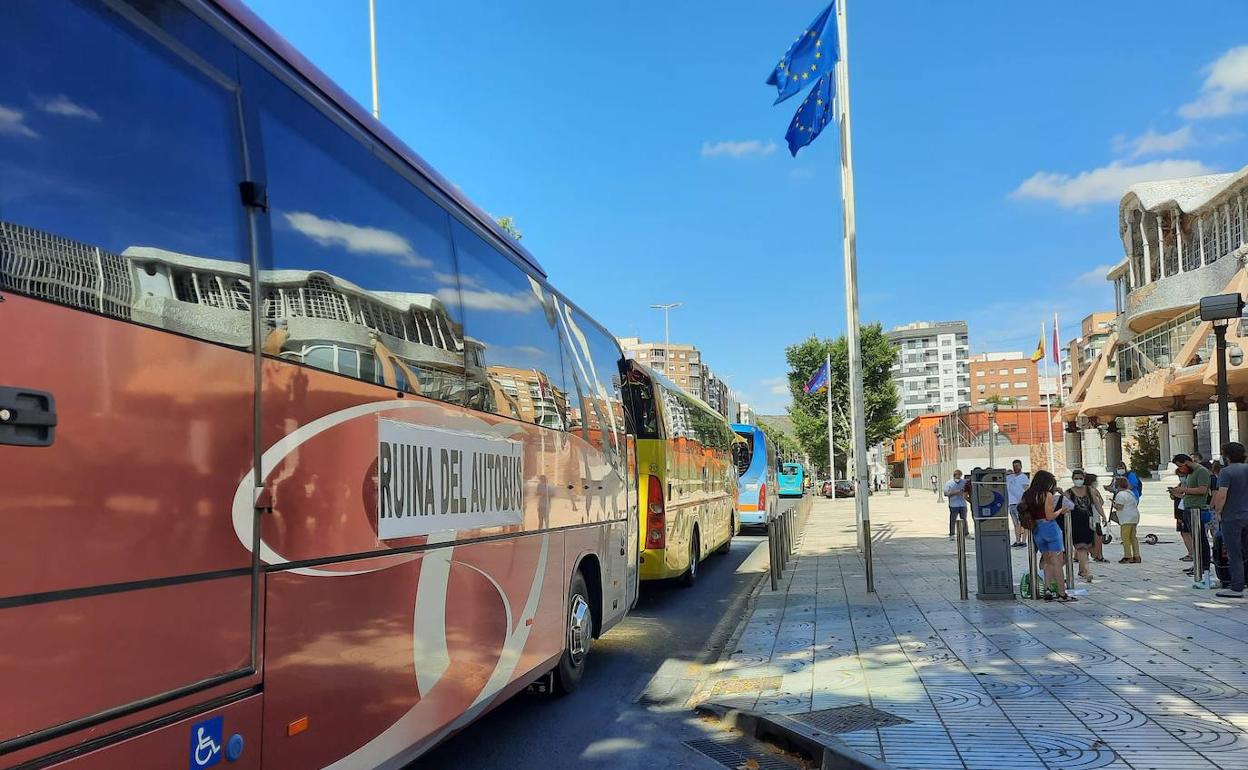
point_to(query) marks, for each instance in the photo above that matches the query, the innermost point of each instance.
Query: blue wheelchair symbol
(206, 742)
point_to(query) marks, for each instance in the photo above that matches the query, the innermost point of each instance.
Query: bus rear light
(656, 518)
(762, 497)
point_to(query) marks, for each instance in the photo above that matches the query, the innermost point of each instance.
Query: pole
(372, 44)
(831, 446)
(1070, 550)
(858, 426)
(992, 438)
(1048, 407)
(1031, 564)
(960, 529)
(1224, 415)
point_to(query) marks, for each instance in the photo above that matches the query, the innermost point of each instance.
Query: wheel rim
(693, 558)
(578, 630)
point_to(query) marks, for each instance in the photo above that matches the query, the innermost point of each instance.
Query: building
(1182, 239)
(682, 364)
(1008, 378)
(527, 394)
(1081, 351)
(745, 414)
(932, 368)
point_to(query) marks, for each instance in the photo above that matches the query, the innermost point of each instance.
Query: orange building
(1006, 376)
(937, 443)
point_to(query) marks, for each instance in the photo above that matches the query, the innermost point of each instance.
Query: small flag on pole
(1039, 354)
(1057, 356)
(811, 55)
(819, 380)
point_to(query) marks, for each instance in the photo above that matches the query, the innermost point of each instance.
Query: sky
(637, 147)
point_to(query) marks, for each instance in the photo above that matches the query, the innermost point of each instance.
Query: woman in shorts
(1044, 507)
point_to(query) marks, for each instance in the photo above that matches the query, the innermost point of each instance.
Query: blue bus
(757, 488)
(791, 481)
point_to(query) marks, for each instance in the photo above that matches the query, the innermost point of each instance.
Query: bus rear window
(743, 452)
(641, 412)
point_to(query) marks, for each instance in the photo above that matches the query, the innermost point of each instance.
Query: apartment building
(1004, 378)
(932, 368)
(682, 364)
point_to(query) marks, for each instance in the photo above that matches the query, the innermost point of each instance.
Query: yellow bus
(686, 476)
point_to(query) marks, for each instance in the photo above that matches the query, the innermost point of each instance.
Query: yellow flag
(1039, 354)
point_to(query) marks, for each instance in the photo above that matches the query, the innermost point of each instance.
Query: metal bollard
(868, 561)
(792, 515)
(1198, 552)
(959, 529)
(1070, 551)
(1031, 564)
(773, 558)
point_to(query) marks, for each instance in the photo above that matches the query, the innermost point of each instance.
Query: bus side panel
(171, 746)
(390, 657)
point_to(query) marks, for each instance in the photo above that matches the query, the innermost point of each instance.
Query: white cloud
(1105, 184)
(777, 386)
(1153, 143)
(65, 107)
(13, 123)
(356, 239)
(746, 148)
(1094, 277)
(1225, 91)
(497, 301)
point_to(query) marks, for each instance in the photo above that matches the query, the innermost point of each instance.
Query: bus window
(361, 259)
(512, 318)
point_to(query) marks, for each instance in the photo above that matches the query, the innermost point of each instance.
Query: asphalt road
(601, 725)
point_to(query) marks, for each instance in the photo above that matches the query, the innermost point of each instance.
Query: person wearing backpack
(1038, 511)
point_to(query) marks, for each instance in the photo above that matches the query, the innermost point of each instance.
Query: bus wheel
(732, 528)
(695, 547)
(580, 636)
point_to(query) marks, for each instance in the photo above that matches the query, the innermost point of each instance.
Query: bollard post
(1031, 564)
(868, 561)
(773, 556)
(792, 514)
(1197, 529)
(959, 529)
(1070, 550)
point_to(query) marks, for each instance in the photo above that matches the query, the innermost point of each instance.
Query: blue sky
(638, 149)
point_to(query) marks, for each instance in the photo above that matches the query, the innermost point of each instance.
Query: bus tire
(695, 548)
(732, 529)
(578, 637)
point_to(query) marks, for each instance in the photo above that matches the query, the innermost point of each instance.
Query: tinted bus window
(119, 172)
(596, 360)
(363, 277)
(511, 319)
(642, 412)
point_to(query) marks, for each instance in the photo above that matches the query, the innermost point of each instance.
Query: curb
(829, 751)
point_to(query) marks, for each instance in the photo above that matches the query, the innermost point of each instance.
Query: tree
(509, 226)
(1144, 454)
(999, 400)
(809, 410)
(786, 444)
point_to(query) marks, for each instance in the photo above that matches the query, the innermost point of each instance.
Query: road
(601, 724)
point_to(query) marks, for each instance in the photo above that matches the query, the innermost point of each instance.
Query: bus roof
(279, 47)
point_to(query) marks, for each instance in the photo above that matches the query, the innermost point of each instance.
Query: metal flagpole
(831, 446)
(1048, 406)
(850, 234)
(372, 44)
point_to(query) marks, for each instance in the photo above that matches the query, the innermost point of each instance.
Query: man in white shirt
(1015, 485)
(955, 491)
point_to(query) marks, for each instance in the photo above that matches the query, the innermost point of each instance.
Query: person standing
(955, 491)
(1015, 485)
(1099, 517)
(1082, 533)
(1231, 504)
(1133, 481)
(1126, 509)
(1040, 504)
(1193, 496)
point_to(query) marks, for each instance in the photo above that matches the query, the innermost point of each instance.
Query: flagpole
(1048, 407)
(831, 449)
(850, 235)
(372, 46)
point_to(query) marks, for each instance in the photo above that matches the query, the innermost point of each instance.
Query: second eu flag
(818, 380)
(815, 113)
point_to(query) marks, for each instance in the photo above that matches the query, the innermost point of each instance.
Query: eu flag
(818, 380)
(815, 113)
(811, 55)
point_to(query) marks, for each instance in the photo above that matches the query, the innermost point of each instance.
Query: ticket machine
(993, 565)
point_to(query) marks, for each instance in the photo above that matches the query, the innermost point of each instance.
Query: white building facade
(932, 370)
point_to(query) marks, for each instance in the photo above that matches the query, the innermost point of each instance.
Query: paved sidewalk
(1144, 672)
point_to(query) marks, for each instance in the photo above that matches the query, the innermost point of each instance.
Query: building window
(1005, 386)
(1021, 370)
(1003, 372)
(1020, 385)
(946, 356)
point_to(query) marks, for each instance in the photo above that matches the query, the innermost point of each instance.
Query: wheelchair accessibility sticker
(206, 742)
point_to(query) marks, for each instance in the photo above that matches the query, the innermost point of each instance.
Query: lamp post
(1219, 309)
(992, 435)
(667, 338)
(372, 47)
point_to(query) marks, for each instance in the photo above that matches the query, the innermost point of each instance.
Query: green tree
(1144, 454)
(1000, 400)
(509, 226)
(809, 410)
(786, 444)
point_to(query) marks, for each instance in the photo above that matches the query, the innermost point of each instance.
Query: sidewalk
(1144, 672)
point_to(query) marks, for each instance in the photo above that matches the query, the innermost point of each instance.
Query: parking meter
(989, 510)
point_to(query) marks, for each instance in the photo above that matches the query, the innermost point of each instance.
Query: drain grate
(848, 719)
(736, 753)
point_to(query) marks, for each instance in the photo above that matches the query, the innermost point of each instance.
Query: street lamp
(667, 341)
(1219, 309)
(992, 435)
